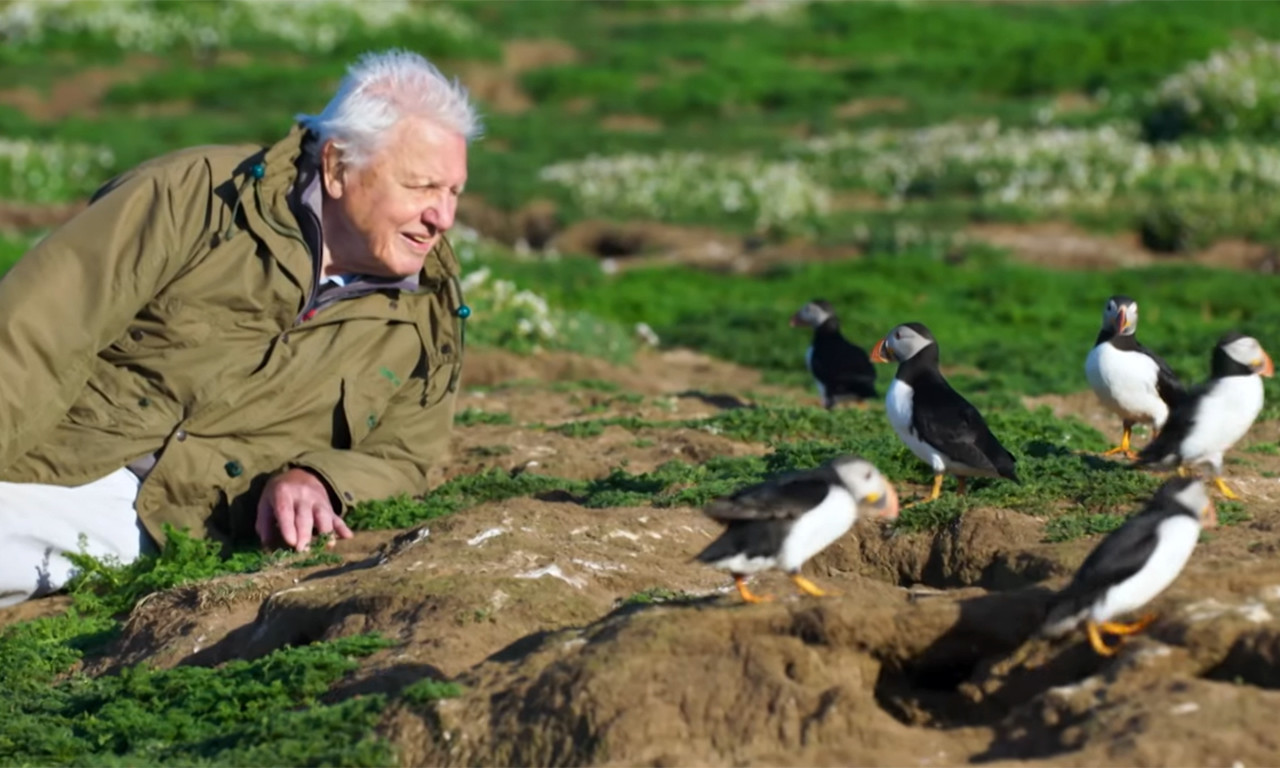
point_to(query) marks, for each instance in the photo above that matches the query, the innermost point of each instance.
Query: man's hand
(294, 503)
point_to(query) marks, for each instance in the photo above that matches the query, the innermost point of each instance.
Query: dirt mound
(875, 677)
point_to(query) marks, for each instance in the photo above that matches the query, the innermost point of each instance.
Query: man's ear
(333, 171)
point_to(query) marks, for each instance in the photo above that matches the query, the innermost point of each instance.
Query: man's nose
(440, 214)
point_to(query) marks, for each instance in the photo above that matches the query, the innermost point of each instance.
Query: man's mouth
(417, 240)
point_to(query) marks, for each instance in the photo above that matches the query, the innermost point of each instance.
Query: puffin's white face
(1247, 351)
(1196, 499)
(812, 314)
(1120, 315)
(869, 488)
(902, 343)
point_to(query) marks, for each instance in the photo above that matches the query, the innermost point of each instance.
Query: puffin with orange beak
(939, 426)
(1215, 414)
(1132, 565)
(1131, 381)
(789, 518)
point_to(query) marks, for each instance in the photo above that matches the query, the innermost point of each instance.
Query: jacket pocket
(361, 411)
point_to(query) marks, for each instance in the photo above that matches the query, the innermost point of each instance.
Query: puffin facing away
(1215, 414)
(1133, 564)
(1130, 380)
(841, 369)
(935, 421)
(787, 519)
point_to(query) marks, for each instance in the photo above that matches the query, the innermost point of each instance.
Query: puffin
(841, 369)
(939, 426)
(1132, 382)
(1132, 565)
(787, 519)
(1216, 414)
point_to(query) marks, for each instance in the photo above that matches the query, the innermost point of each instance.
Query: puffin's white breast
(816, 529)
(1177, 538)
(1126, 383)
(1223, 416)
(900, 404)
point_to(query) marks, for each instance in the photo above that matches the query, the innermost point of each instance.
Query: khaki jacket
(166, 317)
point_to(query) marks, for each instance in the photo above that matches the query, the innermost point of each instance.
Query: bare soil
(544, 611)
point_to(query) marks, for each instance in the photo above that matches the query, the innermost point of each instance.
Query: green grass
(265, 711)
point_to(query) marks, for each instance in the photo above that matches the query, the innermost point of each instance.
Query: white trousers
(40, 522)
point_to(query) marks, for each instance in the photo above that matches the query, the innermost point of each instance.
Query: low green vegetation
(265, 711)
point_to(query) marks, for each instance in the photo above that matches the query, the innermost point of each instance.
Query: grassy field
(884, 128)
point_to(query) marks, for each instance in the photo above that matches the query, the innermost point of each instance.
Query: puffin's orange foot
(1116, 628)
(741, 584)
(808, 587)
(1099, 645)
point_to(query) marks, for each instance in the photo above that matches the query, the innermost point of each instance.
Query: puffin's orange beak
(880, 353)
(795, 320)
(1268, 367)
(890, 509)
(1122, 322)
(1209, 517)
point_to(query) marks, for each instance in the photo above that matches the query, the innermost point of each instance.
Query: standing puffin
(1215, 414)
(787, 519)
(934, 420)
(841, 369)
(1133, 564)
(1130, 380)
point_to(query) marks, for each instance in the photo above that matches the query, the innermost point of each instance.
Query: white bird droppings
(553, 571)
(623, 534)
(1185, 708)
(485, 536)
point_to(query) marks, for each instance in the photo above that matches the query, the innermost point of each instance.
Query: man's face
(387, 215)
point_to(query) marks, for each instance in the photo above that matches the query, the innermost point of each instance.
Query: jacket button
(446, 349)
(394, 303)
(136, 334)
(144, 402)
(233, 468)
(347, 495)
(181, 435)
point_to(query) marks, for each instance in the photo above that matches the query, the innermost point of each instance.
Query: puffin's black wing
(1182, 419)
(1168, 385)
(842, 366)
(944, 419)
(783, 497)
(1117, 557)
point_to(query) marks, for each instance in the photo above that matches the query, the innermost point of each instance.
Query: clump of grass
(471, 416)
(429, 690)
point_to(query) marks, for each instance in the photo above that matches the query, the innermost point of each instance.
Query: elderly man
(239, 340)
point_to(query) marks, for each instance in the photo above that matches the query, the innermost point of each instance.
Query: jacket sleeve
(397, 455)
(75, 293)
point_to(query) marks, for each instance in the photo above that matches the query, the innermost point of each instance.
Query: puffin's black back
(843, 367)
(944, 419)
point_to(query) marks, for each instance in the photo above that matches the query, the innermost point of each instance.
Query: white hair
(378, 91)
